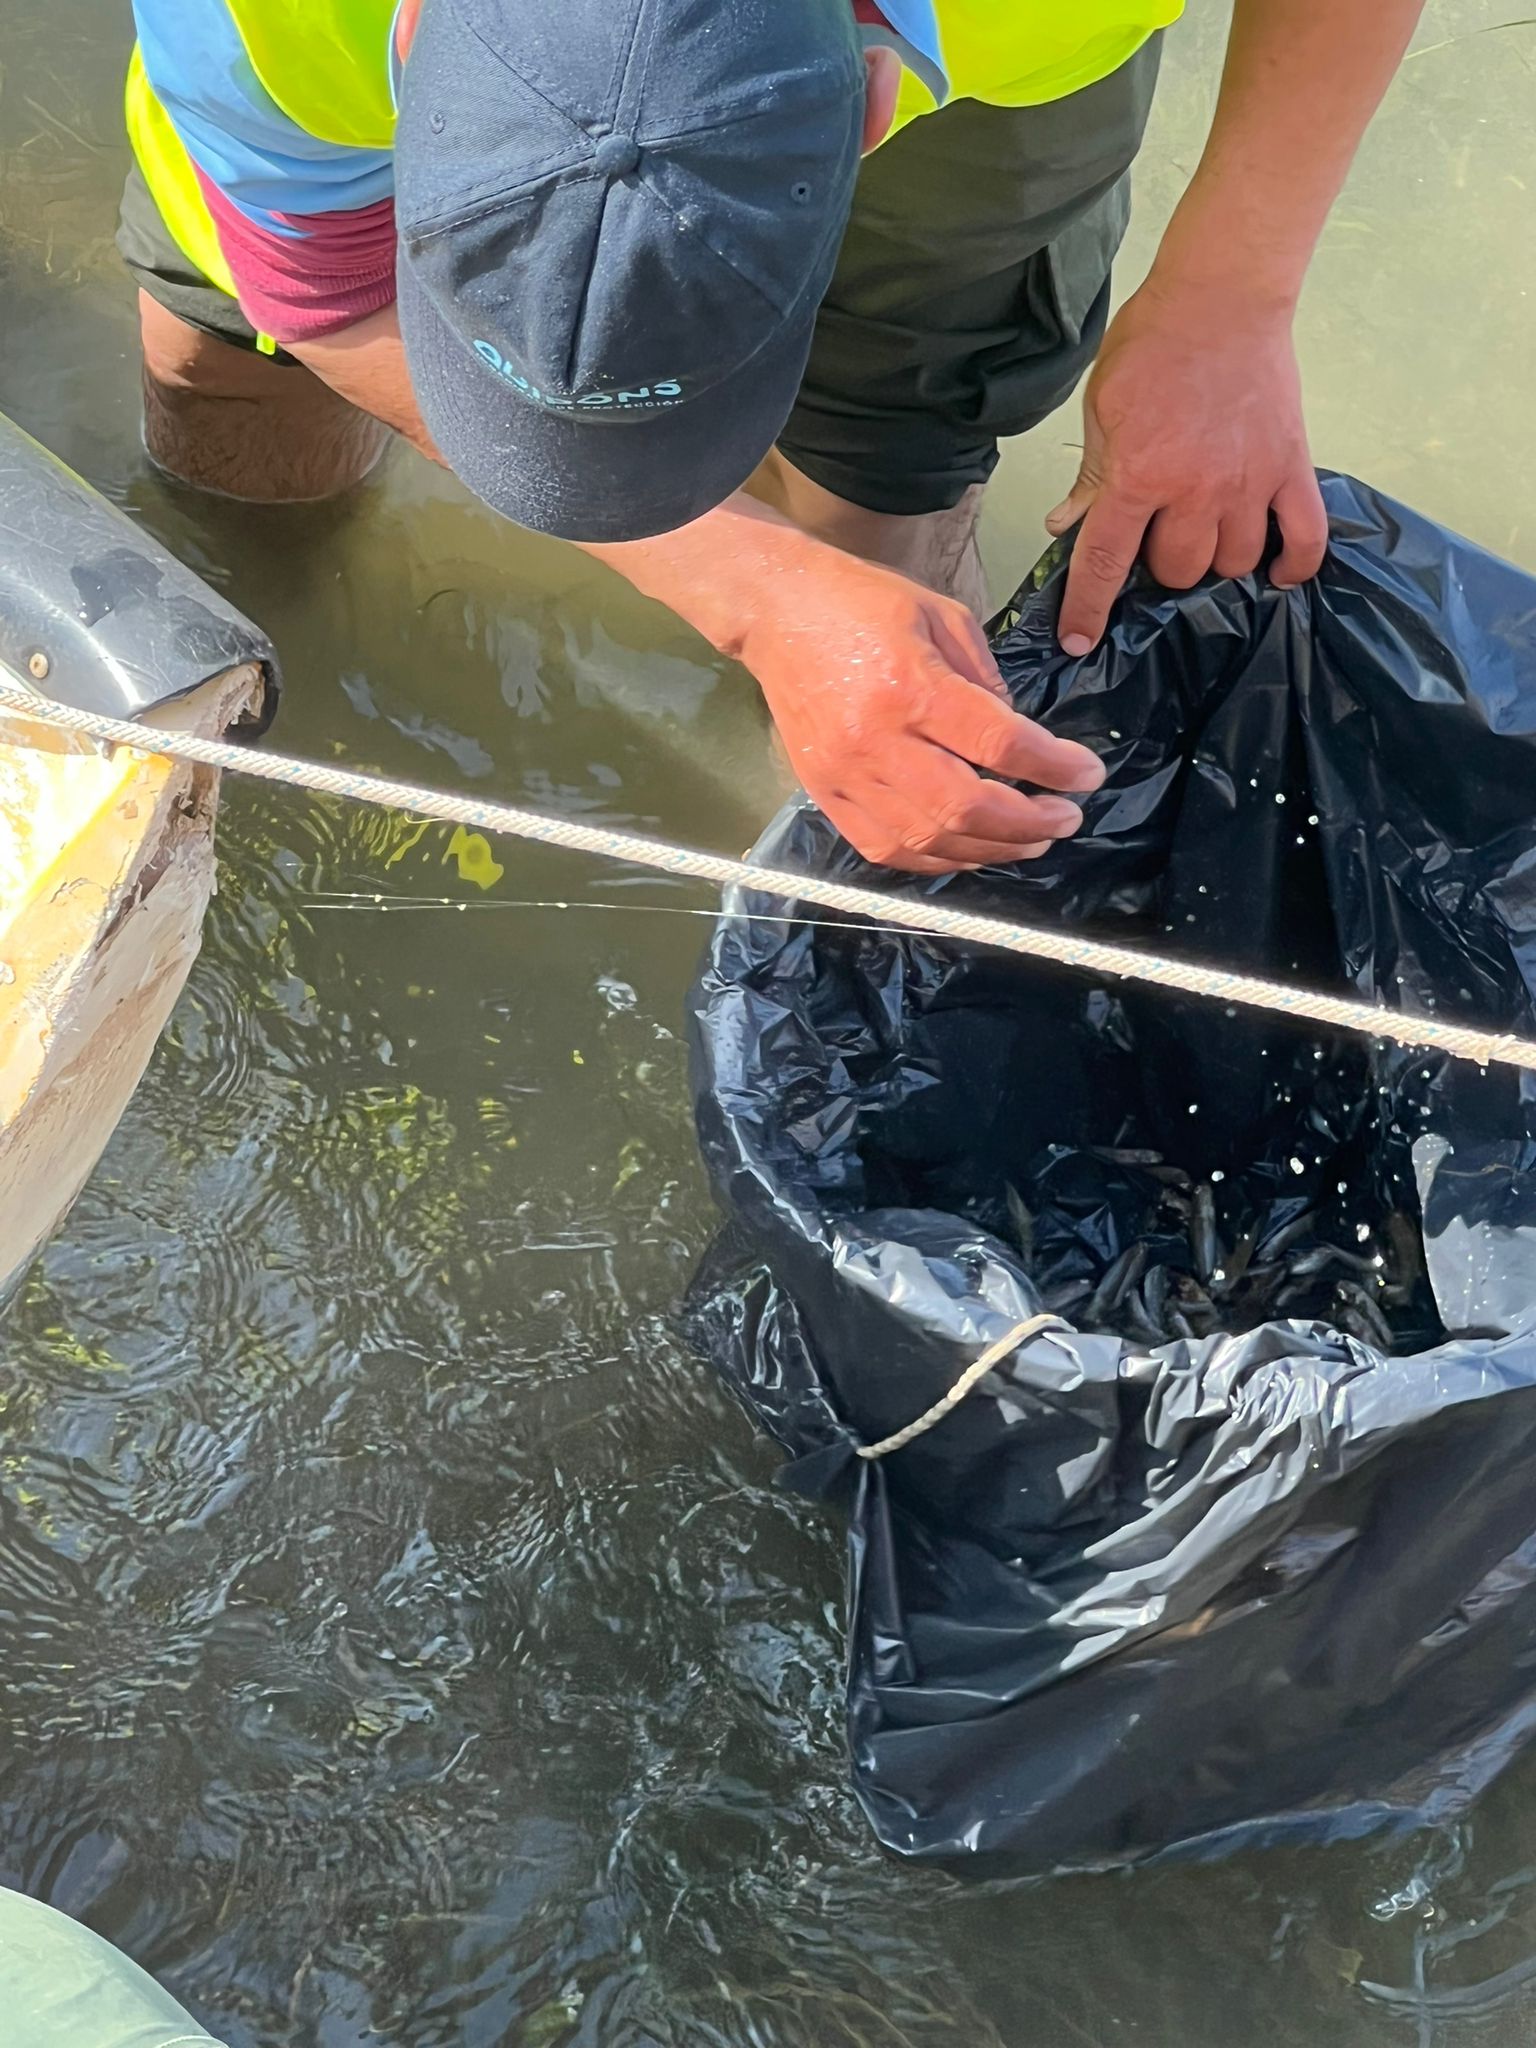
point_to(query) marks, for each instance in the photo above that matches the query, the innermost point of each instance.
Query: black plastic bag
(1139, 1593)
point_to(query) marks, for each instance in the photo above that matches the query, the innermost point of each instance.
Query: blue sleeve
(234, 131)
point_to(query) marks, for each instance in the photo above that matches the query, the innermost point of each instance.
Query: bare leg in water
(231, 420)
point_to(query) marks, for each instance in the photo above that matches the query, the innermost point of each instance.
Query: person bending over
(740, 296)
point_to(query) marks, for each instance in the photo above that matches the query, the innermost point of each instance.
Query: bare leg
(934, 548)
(229, 420)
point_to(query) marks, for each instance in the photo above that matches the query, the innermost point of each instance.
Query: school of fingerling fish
(1209, 1255)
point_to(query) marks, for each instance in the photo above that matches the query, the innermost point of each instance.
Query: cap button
(617, 155)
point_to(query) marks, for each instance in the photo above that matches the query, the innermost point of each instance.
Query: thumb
(1090, 479)
(1074, 506)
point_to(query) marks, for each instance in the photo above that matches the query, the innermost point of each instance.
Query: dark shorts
(151, 252)
(971, 293)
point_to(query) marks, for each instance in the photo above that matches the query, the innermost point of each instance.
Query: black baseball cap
(617, 219)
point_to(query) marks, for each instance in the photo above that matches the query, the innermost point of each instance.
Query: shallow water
(401, 1638)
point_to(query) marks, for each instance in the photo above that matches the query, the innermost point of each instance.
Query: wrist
(1230, 256)
(728, 574)
(755, 579)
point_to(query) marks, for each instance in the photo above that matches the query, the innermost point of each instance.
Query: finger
(975, 726)
(1240, 544)
(1303, 530)
(965, 648)
(884, 845)
(1101, 560)
(1090, 475)
(959, 860)
(941, 807)
(1180, 547)
(1074, 506)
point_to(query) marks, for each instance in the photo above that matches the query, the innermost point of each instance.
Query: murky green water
(400, 1638)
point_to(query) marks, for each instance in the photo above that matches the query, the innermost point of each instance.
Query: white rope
(973, 1375)
(909, 913)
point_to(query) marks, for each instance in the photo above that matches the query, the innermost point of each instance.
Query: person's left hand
(1192, 434)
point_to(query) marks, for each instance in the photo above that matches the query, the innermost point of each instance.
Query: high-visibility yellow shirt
(286, 107)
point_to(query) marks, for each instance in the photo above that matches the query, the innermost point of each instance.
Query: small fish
(1127, 1155)
(1203, 1241)
(1367, 1264)
(1195, 1306)
(1322, 1256)
(1260, 1283)
(1136, 1321)
(1297, 1295)
(1110, 1292)
(1235, 1265)
(1363, 1313)
(1281, 1240)
(1172, 1176)
(1023, 1223)
(1062, 1300)
(1405, 1243)
(1154, 1295)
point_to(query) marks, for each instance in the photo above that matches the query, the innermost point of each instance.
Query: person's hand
(1192, 434)
(888, 702)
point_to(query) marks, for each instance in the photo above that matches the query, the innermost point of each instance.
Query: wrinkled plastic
(1133, 1596)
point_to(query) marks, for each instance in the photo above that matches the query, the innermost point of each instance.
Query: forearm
(722, 573)
(885, 694)
(365, 363)
(1301, 82)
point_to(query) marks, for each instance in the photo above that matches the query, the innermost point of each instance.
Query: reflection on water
(403, 1640)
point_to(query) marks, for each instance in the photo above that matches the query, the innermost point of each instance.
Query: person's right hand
(888, 701)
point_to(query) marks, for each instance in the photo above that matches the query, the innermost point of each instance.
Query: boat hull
(106, 869)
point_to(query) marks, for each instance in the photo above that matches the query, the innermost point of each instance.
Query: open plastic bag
(1246, 1552)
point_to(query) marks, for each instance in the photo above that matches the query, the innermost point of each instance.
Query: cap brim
(588, 475)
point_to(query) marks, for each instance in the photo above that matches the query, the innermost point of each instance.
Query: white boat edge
(96, 944)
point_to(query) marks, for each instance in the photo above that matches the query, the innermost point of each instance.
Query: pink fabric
(334, 270)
